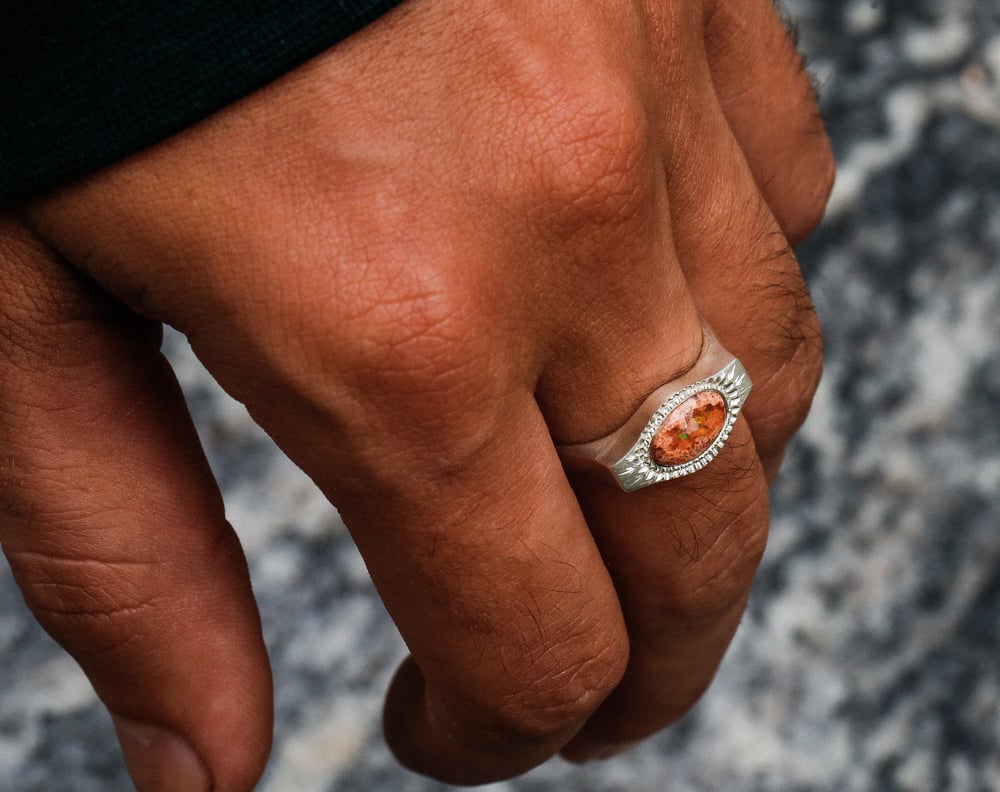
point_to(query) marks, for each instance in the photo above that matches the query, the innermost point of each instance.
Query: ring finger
(682, 554)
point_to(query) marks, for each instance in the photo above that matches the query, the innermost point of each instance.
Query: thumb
(115, 530)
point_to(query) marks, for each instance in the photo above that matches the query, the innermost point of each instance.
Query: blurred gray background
(869, 658)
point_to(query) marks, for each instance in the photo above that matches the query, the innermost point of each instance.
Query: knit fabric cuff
(86, 83)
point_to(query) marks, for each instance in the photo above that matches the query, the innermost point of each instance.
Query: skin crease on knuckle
(712, 586)
(79, 562)
(423, 366)
(794, 342)
(713, 568)
(80, 597)
(792, 385)
(539, 698)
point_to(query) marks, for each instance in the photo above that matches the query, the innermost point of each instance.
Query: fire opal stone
(689, 429)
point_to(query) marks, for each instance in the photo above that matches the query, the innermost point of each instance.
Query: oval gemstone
(690, 428)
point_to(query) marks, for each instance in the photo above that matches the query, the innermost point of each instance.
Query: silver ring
(678, 429)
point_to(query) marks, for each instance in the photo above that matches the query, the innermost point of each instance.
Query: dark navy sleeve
(84, 83)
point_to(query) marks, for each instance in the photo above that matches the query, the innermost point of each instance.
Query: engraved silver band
(628, 454)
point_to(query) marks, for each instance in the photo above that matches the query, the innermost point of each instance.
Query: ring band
(678, 429)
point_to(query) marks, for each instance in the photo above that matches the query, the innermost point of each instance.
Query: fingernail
(160, 761)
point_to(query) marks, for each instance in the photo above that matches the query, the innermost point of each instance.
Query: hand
(421, 260)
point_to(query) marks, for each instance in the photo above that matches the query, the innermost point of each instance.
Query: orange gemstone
(690, 428)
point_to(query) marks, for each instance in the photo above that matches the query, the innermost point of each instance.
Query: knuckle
(716, 578)
(91, 607)
(806, 361)
(405, 349)
(403, 330)
(430, 364)
(545, 700)
(391, 333)
(592, 154)
(715, 588)
(786, 392)
(813, 182)
(557, 701)
(422, 346)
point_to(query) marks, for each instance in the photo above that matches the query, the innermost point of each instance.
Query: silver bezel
(637, 469)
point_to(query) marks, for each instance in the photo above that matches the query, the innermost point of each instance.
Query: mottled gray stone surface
(870, 655)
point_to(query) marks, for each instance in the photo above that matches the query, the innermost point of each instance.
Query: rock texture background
(869, 658)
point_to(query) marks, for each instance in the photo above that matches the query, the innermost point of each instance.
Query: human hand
(421, 260)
